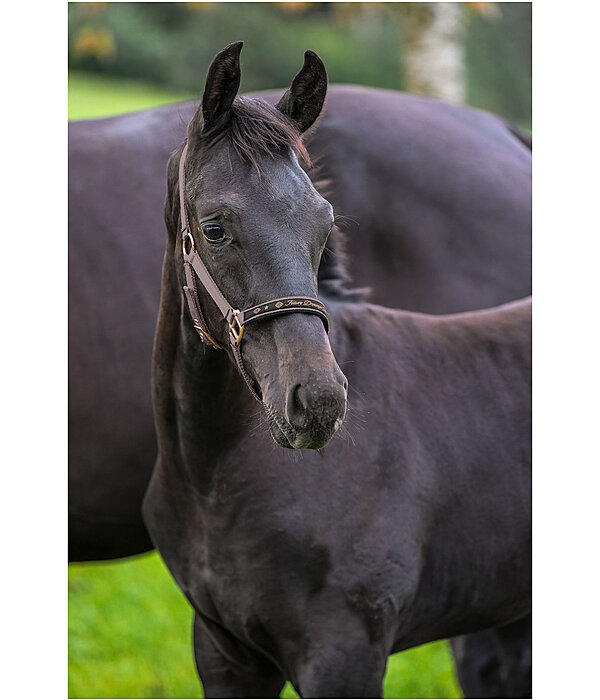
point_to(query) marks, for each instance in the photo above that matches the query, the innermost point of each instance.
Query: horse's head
(260, 228)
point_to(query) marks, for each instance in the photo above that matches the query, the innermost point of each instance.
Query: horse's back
(444, 223)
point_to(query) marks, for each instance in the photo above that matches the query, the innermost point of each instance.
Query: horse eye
(213, 232)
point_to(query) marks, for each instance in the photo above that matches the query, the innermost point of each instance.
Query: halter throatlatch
(236, 320)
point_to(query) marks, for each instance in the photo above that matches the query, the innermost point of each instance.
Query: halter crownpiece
(236, 320)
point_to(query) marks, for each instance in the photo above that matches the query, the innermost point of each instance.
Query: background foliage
(172, 44)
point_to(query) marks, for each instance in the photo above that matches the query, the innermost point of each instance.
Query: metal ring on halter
(185, 235)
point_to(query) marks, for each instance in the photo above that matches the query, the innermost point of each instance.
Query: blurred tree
(172, 43)
(499, 61)
(294, 7)
(91, 38)
(200, 6)
(94, 42)
(434, 51)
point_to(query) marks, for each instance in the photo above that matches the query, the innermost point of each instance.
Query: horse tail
(523, 137)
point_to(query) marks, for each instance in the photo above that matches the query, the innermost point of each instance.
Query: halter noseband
(236, 320)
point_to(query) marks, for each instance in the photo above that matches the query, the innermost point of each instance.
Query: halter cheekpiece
(236, 320)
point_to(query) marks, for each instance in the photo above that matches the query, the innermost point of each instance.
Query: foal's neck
(195, 387)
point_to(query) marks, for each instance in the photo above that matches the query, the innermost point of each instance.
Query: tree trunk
(434, 54)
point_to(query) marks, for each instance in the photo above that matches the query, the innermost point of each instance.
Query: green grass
(129, 632)
(129, 625)
(130, 637)
(92, 96)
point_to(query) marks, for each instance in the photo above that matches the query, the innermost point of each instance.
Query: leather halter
(236, 320)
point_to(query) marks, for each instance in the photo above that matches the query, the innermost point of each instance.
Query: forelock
(254, 129)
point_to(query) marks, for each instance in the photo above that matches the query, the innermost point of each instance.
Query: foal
(409, 523)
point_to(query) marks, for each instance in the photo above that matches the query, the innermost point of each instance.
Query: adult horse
(416, 527)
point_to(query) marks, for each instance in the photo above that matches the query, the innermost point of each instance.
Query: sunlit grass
(93, 96)
(129, 632)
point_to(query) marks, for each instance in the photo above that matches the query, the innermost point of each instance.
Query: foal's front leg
(228, 669)
(340, 660)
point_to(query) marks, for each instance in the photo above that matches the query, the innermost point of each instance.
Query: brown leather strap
(190, 291)
(208, 283)
(185, 225)
(191, 294)
(236, 320)
(285, 305)
(237, 353)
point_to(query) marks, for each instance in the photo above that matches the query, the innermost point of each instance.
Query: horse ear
(222, 84)
(304, 99)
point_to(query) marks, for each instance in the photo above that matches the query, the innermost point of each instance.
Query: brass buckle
(236, 330)
(207, 338)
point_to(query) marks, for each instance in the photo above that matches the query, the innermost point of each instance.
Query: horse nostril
(307, 408)
(297, 406)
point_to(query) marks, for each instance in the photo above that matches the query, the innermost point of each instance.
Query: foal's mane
(254, 129)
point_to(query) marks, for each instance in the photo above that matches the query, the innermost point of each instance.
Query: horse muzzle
(313, 412)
